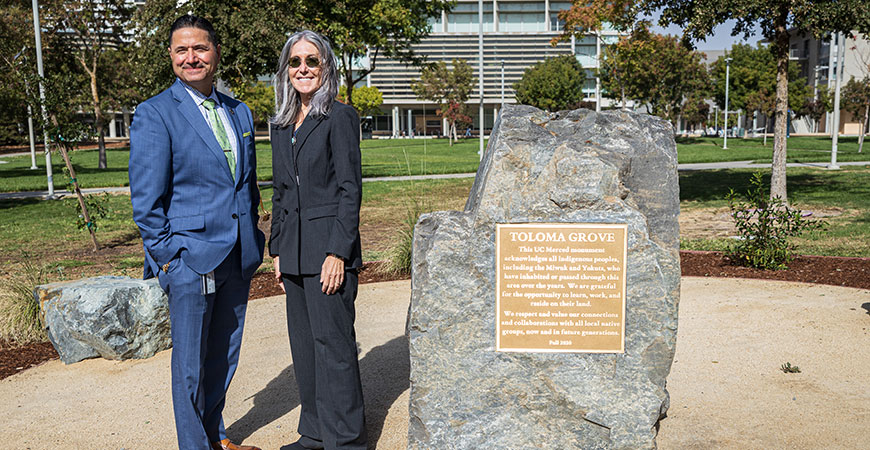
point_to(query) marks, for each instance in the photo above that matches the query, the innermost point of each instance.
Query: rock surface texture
(567, 167)
(110, 317)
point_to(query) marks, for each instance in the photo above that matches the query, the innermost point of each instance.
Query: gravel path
(726, 387)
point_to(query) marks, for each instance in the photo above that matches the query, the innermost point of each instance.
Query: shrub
(400, 256)
(765, 226)
(20, 318)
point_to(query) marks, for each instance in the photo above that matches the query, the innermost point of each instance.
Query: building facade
(819, 63)
(516, 35)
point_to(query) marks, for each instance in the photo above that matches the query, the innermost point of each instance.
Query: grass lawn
(395, 157)
(45, 231)
(846, 190)
(380, 158)
(800, 149)
(16, 175)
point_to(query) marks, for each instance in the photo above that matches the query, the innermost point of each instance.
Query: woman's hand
(277, 266)
(331, 274)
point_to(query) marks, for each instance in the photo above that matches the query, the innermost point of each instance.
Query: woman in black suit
(315, 243)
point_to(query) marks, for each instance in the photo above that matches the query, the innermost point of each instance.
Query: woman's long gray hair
(287, 101)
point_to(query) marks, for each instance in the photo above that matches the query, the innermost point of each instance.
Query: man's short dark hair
(191, 21)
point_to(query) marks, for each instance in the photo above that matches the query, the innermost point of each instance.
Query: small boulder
(110, 317)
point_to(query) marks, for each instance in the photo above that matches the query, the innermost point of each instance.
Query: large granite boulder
(110, 317)
(566, 167)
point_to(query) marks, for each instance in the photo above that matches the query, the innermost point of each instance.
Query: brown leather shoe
(227, 445)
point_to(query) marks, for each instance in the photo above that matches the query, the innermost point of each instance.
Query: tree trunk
(766, 129)
(451, 132)
(72, 173)
(126, 121)
(864, 127)
(348, 77)
(778, 172)
(99, 120)
(623, 98)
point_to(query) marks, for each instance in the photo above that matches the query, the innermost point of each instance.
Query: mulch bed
(848, 272)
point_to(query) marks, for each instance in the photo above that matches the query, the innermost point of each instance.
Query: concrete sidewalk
(726, 387)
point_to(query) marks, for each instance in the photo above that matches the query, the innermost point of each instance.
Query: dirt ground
(710, 223)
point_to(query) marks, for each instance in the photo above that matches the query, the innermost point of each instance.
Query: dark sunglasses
(311, 61)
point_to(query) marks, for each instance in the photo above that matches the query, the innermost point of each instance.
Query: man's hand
(277, 266)
(331, 274)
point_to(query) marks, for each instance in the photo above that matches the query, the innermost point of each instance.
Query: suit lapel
(308, 125)
(242, 158)
(191, 113)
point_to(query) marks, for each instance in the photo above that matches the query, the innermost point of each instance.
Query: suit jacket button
(235, 216)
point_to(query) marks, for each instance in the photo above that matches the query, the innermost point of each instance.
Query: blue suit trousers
(206, 339)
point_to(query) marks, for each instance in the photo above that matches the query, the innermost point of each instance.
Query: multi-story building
(819, 64)
(516, 35)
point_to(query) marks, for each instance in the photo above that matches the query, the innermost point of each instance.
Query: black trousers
(325, 360)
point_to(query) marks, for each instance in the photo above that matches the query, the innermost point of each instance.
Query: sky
(720, 40)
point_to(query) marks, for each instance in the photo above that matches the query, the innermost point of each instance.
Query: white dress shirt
(198, 98)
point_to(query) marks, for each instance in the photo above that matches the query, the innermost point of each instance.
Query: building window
(463, 18)
(435, 24)
(523, 17)
(555, 8)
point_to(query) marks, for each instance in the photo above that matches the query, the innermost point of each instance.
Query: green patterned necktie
(217, 126)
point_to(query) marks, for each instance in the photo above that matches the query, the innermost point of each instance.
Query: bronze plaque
(560, 287)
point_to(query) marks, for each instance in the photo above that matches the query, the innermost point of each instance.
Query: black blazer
(317, 192)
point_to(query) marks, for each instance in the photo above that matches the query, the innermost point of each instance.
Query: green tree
(816, 107)
(553, 84)
(856, 100)
(367, 100)
(362, 31)
(695, 111)
(654, 70)
(91, 29)
(449, 89)
(753, 73)
(778, 21)
(252, 33)
(260, 98)
(16, 58)
(764, 102)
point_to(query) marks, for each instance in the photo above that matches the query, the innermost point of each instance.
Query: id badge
(207, 283)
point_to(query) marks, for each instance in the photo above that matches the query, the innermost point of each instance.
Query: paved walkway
(751, 165)
(727, 391)
(682, 167)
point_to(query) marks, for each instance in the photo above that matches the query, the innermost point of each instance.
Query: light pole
(37, 33)
(716, 122)
(841, 53)
(502, 87)
(32, 139)
(480, 69)
(727, 80)
(816, 92)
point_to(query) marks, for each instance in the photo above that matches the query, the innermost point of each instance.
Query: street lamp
(38, 36)
(841, 53)
(29, 113)
(727, 76)
(502, 87)
(480, 68)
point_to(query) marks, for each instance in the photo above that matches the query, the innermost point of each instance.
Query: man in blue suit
(194, 194)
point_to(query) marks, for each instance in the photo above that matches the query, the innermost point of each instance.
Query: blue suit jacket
(185, 201)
